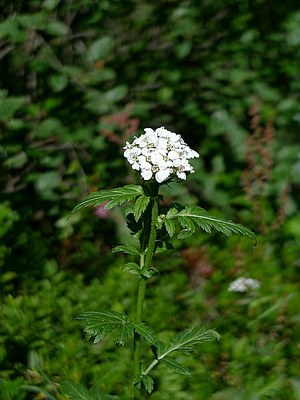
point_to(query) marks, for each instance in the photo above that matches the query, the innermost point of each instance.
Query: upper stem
(145, 262)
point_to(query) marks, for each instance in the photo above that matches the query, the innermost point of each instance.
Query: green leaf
(148, 273)
(48, 127)
(192, 217)
(148, 382)
(126, 248)
(115, 94)
(56, 28)
(9, 105)
(174, 366)
(140, 206)
(75, 391)
(112, 198)
(48, 181)
(100, 49)
(79, 392)
(170, 226)
(50, 4)
(184, 341)
(145, 332)
(58, 82)
(185, 233)
(100, 324)
(186, 221)
(163, 246)
(173, 211)
(132, 267)
(97, 394)
(16, 161)
(9, 27)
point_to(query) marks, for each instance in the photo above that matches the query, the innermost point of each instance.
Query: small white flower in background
(243, 285)
(160, 154)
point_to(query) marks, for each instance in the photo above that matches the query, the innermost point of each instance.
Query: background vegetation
(78, 78)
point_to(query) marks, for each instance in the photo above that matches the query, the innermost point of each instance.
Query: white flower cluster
(160, 154)
(243, 285)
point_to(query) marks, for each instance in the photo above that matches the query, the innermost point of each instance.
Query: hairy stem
(137, 337)
(145, 263)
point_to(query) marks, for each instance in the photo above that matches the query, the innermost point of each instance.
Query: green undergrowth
(256, 358)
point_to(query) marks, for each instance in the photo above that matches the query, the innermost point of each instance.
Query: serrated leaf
(140, 206)
(185, 233)
(170, 226)
(75, 391)
(186, 221)
(126, 248)
(111, 198)
(100, 324)
(145, 332)
(132, 267)
(174, 366)
(148, 382)
(184, 341)
(173, 210)
(193, 216)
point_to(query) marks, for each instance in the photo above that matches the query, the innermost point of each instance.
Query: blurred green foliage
(77, 79)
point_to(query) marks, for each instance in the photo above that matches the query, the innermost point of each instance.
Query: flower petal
(162, 175)
(146, 174)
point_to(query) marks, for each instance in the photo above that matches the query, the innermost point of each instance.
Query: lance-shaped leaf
(126, 248)
(140, 206)
(100, 324)
(170, 226)
(111, 198)
(192, 217)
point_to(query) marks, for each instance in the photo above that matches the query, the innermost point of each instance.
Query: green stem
(137, 337)
(151, 366)
(145, 263)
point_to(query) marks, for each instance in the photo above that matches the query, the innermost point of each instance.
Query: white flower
(173, 155)
(146, 174)
(243, 285)
(163, 174)
(160, 154)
